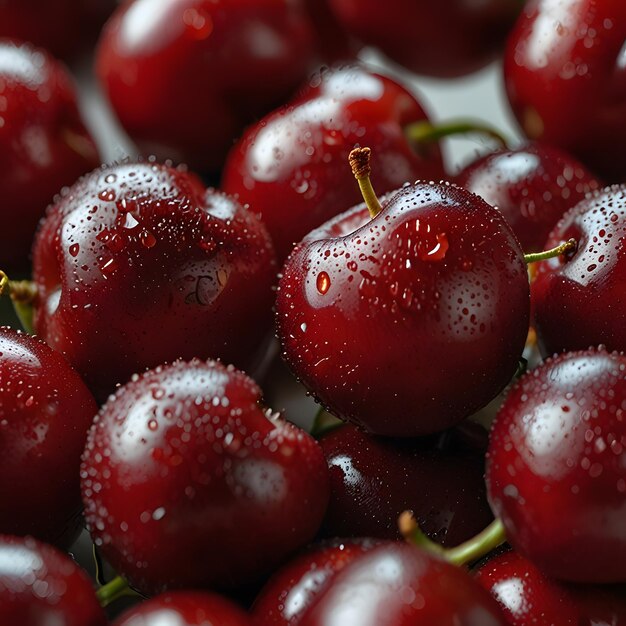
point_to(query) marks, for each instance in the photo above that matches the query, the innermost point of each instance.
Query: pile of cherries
(406, 315)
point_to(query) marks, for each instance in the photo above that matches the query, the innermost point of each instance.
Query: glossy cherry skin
(377, 323)
(290, 592)
(397, 584)
(532, 186)
(527, 596)
(443, 39)
(185, 77)
(373, 480)
(43, 144)
(45, 413)
(185, 608)
(292, 167)
(334, 44)
(580, 299)
(557, 453)
(138, 264)
(41, 586)
(189, 482)
(565, 78)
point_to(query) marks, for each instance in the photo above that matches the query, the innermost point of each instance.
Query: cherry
(290, 167)
(138, 264)
(189, 482)
(333, 42)
(532, 186)
(185, 77)
(373, 480)
(397, 584)
(527, 596)
(556, 475)
(444, 39)
(378, 322)
(41, 586)
(579, 298)
(45, 413)
(566, 78)
(43, 143)
(290, 592)
(185, 608)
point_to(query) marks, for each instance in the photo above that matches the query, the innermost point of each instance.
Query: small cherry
(189, 482)
(556, 470)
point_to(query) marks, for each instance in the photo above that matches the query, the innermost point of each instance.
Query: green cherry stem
(359, 160)
(114, 590)
(23, 293)
(568, 247)
(427, 132)
(323, 423)
(467, 552)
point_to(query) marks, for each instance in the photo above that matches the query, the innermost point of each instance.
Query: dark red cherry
(378, 322)
(580, 299)
(189, 482)
(186, 76)
(565, 75)
(556, 474)
(293, 589)
(138, 264)
(291, 167)
(45, 413)
(43, 143)
(532, 186)
(41, 586)
(444, 39)
(527, 596)
(373, 480)
(185, 608)
(333, 42)
(397, 584)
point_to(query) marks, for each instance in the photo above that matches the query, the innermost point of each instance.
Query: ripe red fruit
(138, 264)
(377, 323)
(565, 78)
(532, 186)
(580, 299)
(332, 41)
(43, 143)
(373, 480)
(185, 77)
(397, 584)
(444, 39)
(557, 453)
(291, 167)
(189, 482)
(185, 608)
(45, 413)
(40, 585)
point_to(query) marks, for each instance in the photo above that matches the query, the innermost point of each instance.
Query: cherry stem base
(23, 293)
(114, 590)
(567, 248)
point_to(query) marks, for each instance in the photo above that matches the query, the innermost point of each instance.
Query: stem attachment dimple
(567, 248)
(359, 160)
(23, 293)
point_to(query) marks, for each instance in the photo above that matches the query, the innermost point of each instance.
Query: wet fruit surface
(45, 413)
(189, 482)
(377, 323)
(557, 453)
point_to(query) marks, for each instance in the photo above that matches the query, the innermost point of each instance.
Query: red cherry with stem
(556, 453)
(45, 413)
(41, 586)
(43, 143)
(372, 480)
(290, 592)
(185, 608)
(290, 167)
(580, 298)
(185, 77)
(378, 322)
(397, 584)
(532, 186)
(565, 78)
(444, 39)
(527, 596)
(138, 264)
(189, 482)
